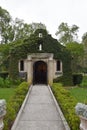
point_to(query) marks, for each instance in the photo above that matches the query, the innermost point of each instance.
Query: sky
(49, 12)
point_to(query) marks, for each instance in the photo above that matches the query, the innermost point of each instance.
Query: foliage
(84, 42)
(77, 53)
(12, 30)
(4, 74)
(77, 79)
(4, 57)
(36, 26)
(57, 80)
(5, 28)
(66, 33)
(15, 103)
(65, 80)
(67, 104)
(49, 45)
(84, 38)
(75, 48)
(8, 83)
(2, 82)
(84, 82)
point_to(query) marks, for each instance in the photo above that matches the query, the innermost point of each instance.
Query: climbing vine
(49, 45)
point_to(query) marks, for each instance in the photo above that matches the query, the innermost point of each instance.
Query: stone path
(40, 112)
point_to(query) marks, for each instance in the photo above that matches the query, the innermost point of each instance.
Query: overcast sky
(49, 12)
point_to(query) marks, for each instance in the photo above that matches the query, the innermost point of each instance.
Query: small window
(21, 65)
(40, 35)
(58, 66)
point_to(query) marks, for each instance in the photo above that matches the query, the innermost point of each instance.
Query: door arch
(40, 72)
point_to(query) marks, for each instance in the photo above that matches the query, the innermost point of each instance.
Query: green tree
(20, 29)
(77, 53)
(84, 42)
(12, 30)
(36, 26)
(67, 34)
(5, 28)
(84, 38)
(23, 30)
(4, 57)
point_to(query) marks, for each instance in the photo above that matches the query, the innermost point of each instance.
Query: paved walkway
(40, 111)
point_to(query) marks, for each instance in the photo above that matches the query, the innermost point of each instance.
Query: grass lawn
(6, 93)
(79, 93)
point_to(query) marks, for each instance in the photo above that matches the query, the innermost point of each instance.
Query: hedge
(77, 79)
(67, 104)
(14, 104)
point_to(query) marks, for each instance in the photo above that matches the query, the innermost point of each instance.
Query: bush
(57, 80)
(84, 82)
(14, 104)
(66, 81)
(77, 79)
(7, 83)
(16, 81)
(67, 104)
(4, 74)
(2, 84)
(10, 116)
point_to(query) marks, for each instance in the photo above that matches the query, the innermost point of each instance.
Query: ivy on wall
(49, 45)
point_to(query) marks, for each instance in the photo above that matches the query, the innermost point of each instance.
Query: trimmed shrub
(77, 79)
(64, 80)
(10, 116)
(67, 104)
(14, 104)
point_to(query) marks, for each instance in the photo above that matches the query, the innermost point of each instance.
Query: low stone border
(59, 110)
(21, 110)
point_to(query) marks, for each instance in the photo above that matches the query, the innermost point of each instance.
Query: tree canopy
(12, 30)
(67, 34)
(77, 53)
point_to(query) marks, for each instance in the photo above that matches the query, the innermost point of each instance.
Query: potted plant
(81, 111)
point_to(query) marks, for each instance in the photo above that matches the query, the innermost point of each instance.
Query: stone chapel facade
(41, 68)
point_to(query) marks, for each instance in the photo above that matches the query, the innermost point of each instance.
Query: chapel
(40, 59)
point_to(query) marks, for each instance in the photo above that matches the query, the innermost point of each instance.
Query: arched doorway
(40, 72)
